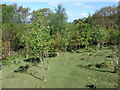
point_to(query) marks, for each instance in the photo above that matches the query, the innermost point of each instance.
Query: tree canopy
(48, 30)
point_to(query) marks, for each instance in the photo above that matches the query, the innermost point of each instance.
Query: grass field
(65, 72)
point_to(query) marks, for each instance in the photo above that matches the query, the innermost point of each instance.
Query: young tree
(38, 38)
(99, 35)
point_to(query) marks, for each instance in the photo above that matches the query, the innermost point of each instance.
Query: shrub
(6, 62)
(22, 68)
(109, 56)
(104, 64)
(33, 60)
(52, 54)
(82, 58)
(77, 51)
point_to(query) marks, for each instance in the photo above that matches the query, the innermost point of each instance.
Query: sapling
(38, 39)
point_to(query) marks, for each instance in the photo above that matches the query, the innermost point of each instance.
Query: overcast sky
(75, 9)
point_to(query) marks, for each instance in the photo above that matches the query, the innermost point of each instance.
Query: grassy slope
(64, 73)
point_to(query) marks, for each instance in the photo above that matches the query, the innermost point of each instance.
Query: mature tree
(22, 12)
(45, 13)
(13, 24)
(84, 29)
(57, 20)
(7, 13)
(7, 28)
(0, 31)
(106, 17)
(58, 27)
(89, 20)
(113, 36)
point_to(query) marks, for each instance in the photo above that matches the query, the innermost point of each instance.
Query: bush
(99, 54)
(82, 59)
(105, 64)
(6, 62)
(0, 67)
(16, 61)
(89, 65)
(78, 51)
(52, 54)
(110, 47)
(109, 56)
(22, 69)
(33, 60)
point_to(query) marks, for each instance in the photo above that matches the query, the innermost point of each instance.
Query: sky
(74, 9)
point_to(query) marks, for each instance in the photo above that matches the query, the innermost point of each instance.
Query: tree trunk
(118, 63)
(98, 46)
(26, 51)
(26, 56)
(5, 49)
(47, 60)
(40, 57)
(58, 54)
(86, 47)
(9, 48)
(44, 79)
(42, 66)
(66, 52)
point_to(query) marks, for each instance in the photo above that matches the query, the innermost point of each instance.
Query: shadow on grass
(34, 76)
(95, 69)
(40, 67)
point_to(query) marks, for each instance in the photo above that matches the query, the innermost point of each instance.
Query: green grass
(64, 72)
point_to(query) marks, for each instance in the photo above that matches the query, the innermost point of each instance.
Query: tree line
(48, 30)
